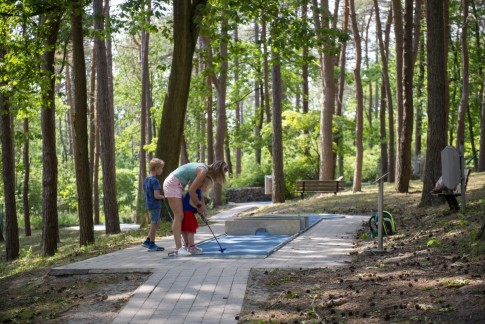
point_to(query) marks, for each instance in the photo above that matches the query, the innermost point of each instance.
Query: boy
(153, 202)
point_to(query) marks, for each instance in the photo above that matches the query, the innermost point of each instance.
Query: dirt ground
(36, 297)
(431, 272)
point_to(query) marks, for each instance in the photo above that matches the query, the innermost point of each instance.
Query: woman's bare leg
(178, 217)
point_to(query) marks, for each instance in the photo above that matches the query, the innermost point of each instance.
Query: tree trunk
(419, 107)
(185, 32)
(80, 132)
(481, 158)
(257, 99)
(328, 84)
(399, 42)
(404, 163)
(369, 114)
(357, 183)
(106, 118)
(221, 91)
(384, 167)
(265, 97)
(50, 232)
(72, 108)
(472, 140)
(239, 117)
(92, 119)
(340, 97)
(305, 81)
(278, 188)
(144, 48)
(149, 119)
(97, 154)
(25, 192)
(184, 155)
(437, 112)
(383, 46)
(62, 140)
(304, 73)
(109, 51)
(417, 28)
(12, 246)
(447, 31)
(210, 122)
(8, 172)
(460, 131)
(227, 152)
(204, 43)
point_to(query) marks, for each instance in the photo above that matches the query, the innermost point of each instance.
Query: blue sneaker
(146, 244)
(153, 248)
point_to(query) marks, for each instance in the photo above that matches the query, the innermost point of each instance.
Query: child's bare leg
(185, 239)
(153, 230)
(190, 239)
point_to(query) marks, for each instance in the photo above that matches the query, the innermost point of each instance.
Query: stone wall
(246, 194)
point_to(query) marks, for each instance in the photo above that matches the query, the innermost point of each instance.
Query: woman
(173, 188)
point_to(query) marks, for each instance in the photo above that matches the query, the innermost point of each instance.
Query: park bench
(303, 186)
(451, 194)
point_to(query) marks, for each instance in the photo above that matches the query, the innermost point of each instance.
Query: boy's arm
(158, 195)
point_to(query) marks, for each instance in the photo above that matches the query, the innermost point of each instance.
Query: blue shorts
(155, 215)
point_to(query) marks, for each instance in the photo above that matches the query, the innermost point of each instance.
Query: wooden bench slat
(334, 186)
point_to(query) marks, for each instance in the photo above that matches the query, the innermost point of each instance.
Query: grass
(69, 250)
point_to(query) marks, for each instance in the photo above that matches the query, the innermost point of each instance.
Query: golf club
(168, 210)
(207, 223)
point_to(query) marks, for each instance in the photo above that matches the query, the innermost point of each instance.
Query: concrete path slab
(211, 290)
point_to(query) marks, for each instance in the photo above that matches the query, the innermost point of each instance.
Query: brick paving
(211, 290)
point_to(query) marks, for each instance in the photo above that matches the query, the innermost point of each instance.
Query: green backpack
(388, 224)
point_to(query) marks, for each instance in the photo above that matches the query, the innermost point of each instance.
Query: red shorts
(189, 224)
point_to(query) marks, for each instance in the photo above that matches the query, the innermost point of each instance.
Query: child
(189, 223)
(153, 202)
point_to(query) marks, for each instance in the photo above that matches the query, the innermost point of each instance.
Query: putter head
(222, 250)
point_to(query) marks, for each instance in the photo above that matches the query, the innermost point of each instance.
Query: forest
(90, 91)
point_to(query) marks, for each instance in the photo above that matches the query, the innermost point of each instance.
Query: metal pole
(380, 209)
(463, 177)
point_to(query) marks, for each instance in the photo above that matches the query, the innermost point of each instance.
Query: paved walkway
(211, 290)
